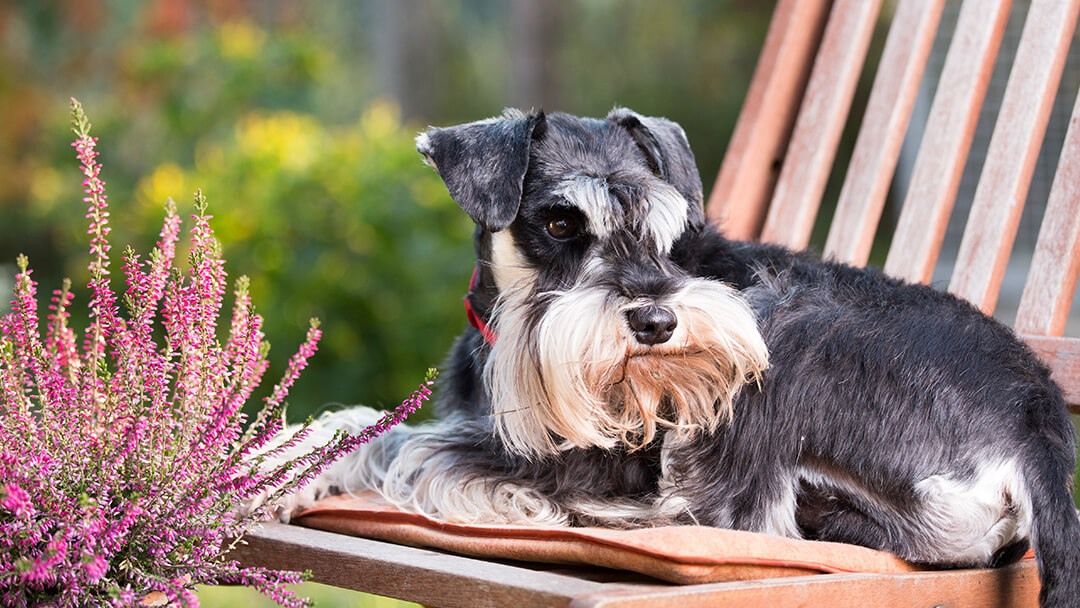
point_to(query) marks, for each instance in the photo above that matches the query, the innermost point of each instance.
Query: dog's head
(596, 334)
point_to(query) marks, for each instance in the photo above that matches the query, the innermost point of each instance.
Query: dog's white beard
(578, 378)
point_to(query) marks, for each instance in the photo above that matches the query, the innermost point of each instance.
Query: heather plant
(125, 455)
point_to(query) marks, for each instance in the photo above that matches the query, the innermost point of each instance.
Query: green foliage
(322, 595)
(341, 223)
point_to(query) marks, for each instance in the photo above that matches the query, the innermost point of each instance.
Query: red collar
(474, 319)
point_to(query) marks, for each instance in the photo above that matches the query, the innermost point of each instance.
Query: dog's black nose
(652, 324)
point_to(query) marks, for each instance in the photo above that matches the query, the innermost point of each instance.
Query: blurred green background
(297, 120)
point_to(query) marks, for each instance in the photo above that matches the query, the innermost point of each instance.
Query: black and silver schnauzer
(629, 366)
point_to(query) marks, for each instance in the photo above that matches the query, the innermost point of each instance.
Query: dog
(627, 365)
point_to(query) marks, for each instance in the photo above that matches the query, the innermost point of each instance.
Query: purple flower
(123, 463)
(15, 499)
(95, 566)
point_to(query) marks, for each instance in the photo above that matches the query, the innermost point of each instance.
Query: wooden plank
(439, 579)
(950, 128)
(1051, 282)
(881, 134)
(821, 120)
(752, 162)
(408, 573)
(1062, 355)
(1014, 148)
(1015, 586)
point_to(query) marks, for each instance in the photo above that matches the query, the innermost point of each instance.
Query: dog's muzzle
(590, 370)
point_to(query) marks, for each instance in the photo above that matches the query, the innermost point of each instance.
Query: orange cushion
(679, 554)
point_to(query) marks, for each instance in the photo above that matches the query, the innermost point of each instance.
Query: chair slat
(1062, 356)
(888, 111)
(745, 182)
(1014, 148)
(1051, 282)
(820, 123)
(946, 140)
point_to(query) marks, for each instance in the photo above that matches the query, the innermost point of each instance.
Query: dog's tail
(1048, 464)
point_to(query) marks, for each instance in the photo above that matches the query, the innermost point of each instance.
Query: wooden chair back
(773, 178)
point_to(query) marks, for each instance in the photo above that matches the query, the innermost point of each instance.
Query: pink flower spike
(15, 499)
(95, 566)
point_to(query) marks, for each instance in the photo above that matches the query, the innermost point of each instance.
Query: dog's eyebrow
(662, 215)
(592, 196)
(666, 215)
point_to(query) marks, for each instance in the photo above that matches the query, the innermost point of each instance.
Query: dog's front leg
(737, 477)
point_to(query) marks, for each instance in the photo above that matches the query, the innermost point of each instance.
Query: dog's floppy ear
(666, 148)
(483, 164)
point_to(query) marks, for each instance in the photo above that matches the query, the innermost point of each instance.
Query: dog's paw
(283, 508)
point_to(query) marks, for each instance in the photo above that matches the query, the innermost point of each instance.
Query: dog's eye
(562, 228)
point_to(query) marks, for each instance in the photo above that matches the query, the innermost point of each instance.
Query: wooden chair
(770, 187)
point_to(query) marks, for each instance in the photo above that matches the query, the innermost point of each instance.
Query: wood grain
(881, 133)
(950, 127)
(751, 164)
(820, 123)
(1014, 148)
